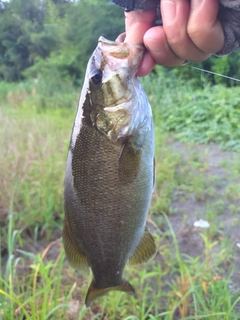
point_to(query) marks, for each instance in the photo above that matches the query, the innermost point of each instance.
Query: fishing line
(214, 73)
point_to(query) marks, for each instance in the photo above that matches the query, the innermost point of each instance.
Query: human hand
(190, 31)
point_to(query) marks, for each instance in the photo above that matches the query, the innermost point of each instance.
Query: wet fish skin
(110, 171)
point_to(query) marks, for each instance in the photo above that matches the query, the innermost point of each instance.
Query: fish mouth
(107, 42)
(120, 50)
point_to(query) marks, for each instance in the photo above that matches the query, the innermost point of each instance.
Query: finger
(121, 37)
(203, 27)
(136, 24)
(175, 14)
(156, 42)
(146, 65)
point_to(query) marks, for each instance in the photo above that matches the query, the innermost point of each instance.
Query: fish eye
(96, 77)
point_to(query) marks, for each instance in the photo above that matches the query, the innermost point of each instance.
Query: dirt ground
(219, 175)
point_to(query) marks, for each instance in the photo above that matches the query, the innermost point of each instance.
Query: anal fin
(145, 250)
(75, 257)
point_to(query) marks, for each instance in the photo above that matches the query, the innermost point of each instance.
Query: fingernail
(168, 11)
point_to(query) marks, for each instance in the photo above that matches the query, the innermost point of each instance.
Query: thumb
(136, 25)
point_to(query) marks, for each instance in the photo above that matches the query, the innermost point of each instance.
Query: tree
(41, 35)
(77, 34)
(18, 19)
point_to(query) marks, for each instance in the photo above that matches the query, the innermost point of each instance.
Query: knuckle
(194, 31)
(176, 37)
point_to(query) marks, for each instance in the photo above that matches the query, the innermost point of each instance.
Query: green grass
(182, 287)
(32, 162)
(36, 281)
(41, 93)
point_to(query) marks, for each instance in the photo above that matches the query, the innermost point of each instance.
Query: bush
(211, 114)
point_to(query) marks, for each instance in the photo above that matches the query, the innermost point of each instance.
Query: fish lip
(103, 40)
(120, 50)
(107, 42)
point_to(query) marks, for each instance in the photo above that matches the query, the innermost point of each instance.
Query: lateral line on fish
(214, 73)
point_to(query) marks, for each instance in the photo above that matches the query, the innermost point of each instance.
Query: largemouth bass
(110, 171)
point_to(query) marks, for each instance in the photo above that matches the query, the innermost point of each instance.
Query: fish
(109, 178)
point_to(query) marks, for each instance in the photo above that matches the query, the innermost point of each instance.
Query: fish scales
(110, 171)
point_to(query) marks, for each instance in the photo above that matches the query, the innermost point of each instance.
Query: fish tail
(94, 293)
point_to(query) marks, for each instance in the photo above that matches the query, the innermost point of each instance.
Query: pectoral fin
(129, 162)
(145, 250)
(75, 257)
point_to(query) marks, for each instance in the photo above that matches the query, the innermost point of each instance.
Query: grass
(32, 163)
(194, 274)
(181, 288)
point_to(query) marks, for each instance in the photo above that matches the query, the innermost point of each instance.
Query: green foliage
(34, 162)
(34, 286)
(36, 36)
(209, 114)
(227, 65)
(48, 91)
(79, 31)
(224, 65)
(39, 37)
(36, 281)
(19, 19)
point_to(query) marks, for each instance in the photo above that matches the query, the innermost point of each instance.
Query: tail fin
(94, 293)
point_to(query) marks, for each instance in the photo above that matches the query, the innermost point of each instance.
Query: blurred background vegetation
(54, 39)
(44, 49)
